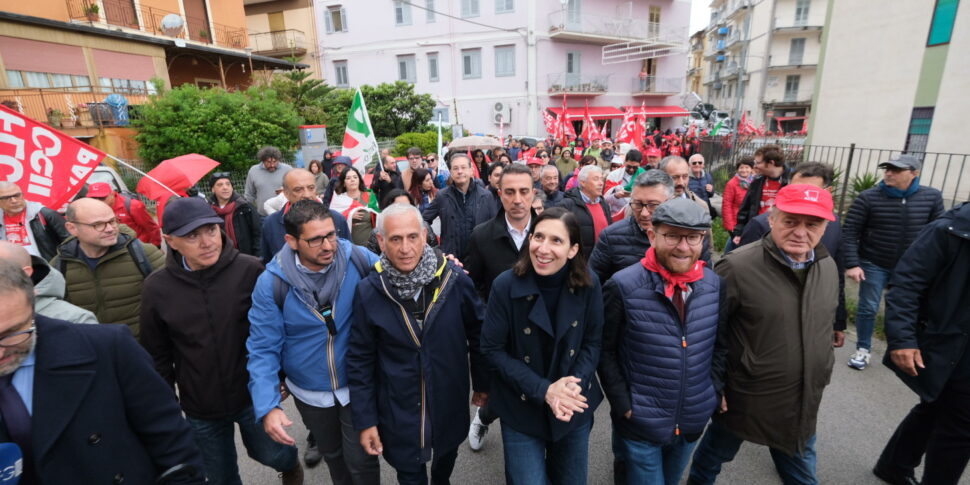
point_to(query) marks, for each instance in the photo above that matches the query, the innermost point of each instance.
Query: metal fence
(947, 172)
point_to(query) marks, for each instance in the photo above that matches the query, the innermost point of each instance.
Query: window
(406, 69)
(801, 12)
(791, 87)
(30, 79)
(504, 6)
(572, 69)
(443, 112)
(340, 74)
(402, 13)
(796, 52)
(941, 28)
(469, 8)
(471, 63)
(429, 11)
(919, 130)
(433, 67)
(505, 61)
(124, 85)
(653, 27)
(336, 19)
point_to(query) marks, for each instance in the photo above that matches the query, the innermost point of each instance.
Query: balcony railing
(795, 25)
(122, 13)
(560, 83)
(84, 107)
(615, 28)
(279, 43)
(657, 85)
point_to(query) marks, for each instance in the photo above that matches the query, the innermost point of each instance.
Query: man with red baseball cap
(129, 211)
(773, 356)
(651, 158)
(535, 167)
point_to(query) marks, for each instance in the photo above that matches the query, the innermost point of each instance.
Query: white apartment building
(495, 65)
(762, 57)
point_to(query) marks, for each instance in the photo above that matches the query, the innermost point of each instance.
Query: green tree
(229, 127)
(426, 141)
(395, 108)
(307, 95)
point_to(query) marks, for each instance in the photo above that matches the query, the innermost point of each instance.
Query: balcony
(712, 77)
(794, 26)
(279, 43)
(601, 30)
(656, 86)
(577, 84)
(734, 40)
(736, 7)
(791, 64)
(729, 71)
(83, 108)
(123, 13)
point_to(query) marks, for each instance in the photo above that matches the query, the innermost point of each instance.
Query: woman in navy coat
(542, 335)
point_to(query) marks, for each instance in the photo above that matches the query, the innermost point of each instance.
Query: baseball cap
(653, 152)
(99, 190)
(905, 162)
(606, 140)
(186, 214)
(804, 199)
(535, 161)
(681, 212)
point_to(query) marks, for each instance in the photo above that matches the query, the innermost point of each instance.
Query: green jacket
(113, 289)
(774, 351)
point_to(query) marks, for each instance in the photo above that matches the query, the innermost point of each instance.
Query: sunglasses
(220, 175)
(697, 163)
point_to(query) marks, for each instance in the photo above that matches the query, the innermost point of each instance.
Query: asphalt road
(859, 412)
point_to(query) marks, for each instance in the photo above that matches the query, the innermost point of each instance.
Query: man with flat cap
(773, 356)
(882, 222)
(655, 366)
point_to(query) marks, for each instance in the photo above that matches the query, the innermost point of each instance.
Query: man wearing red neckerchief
(658, 343)
(29, 224)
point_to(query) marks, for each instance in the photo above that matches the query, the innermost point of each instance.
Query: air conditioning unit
(501, 112)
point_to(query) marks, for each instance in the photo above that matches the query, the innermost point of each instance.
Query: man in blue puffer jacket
(658, 342)
(300, 324)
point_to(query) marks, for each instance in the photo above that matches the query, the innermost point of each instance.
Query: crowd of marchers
(559, 276)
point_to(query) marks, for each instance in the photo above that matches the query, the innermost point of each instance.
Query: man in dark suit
(83, 402)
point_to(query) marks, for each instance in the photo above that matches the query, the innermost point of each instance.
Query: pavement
(860, 410)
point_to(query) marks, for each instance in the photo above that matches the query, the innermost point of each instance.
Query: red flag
(590, 132)
(641, 127)
(625, 135)
(743, 125)
(550, 123)
(49, 166)
(603, 131)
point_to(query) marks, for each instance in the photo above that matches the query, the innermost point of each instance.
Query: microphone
(11, 463)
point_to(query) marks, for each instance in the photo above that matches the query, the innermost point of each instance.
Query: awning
(661, 111)
(596, 112)
(789, 118)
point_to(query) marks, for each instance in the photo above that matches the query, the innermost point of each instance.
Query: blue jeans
(870, 294)
(646, 462)
(216, 439)
(441, 467)
(719, 446)
(531, 461)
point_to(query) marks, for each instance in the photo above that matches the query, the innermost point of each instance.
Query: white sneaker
(476, 433)
(860, 359)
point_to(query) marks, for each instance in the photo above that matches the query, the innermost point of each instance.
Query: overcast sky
(700, 15)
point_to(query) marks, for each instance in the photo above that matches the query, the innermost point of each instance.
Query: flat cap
(681, 212)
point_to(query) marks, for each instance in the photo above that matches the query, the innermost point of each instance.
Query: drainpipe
(532, 57)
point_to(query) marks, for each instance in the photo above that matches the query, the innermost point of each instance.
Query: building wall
(373, 42)
(48, 9)
(297, 15)
(947, 133)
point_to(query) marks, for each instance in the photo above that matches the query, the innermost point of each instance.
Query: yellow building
(284, 29)
(696, 65)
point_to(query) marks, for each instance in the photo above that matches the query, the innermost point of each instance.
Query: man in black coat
(819, 175)
(387, 179)
(882, 222)
(204, 351)
(494, 248)
(624, 243)
(586, 202)
(461, 206)
(83, 402)
(927, 324)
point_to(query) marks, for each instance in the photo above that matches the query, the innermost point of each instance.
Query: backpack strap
(359, 260)
(280, 289)
(127, 201)
(137, 252)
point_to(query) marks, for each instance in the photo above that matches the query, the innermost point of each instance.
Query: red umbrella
(175, 175)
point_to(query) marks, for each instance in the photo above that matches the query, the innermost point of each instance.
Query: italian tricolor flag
(359, 142)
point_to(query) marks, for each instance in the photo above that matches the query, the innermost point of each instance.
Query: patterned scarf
(409, 284)
(744, 182)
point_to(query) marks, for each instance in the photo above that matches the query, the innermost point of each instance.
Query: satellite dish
(172, 25)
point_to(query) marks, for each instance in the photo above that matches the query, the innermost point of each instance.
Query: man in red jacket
(129, 211)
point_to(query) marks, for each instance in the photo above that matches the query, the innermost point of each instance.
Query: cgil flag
(359, 142)
(49, 166)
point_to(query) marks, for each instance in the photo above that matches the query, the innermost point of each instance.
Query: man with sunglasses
(203, 350)
(82, 401)
(104, 268)
(29, 224)
(300, 323)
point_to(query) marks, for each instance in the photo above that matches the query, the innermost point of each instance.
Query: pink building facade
(494, 65)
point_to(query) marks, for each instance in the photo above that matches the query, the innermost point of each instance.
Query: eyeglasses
(99, 226)
(220, 175)
(638, 206)
(315, 242)
(674, 239)
(19, 195)
(18, 338)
